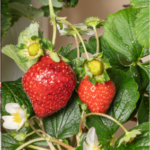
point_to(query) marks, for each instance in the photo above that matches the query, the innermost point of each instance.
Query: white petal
(22, 113)
(85, 146)
(21, 124)
(90, 32)
(92, 138)
(62, 30)
(12, 107)
(81, 25)
(9, 123)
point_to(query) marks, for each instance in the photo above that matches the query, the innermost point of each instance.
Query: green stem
(35, 129)
(51, 139)
(62, 144)
(103, 115)
(98, 44)
(29, 142)
(52, 15)
(78, 51)
(36, 148)
(68, 23)
(59, 147)
(33, 132)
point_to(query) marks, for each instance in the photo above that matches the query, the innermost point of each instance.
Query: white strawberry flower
(91, 142)
(81, 28)
(17, 118)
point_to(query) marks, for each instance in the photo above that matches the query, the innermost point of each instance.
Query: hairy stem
(52, 16)
(103, 115)
(62, 144)
(78, 51)
(36, 147)
(59, 147)
(49, 143)
(35, 129)
(68, 23)
(51, 139)
(97, 40)
(29, 142)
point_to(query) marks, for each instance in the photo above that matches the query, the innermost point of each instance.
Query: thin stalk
(59, 147)
(52, 16)
(35, 129)
(98, 44)
(68, 23)
(78, 51)
(29, 142)
(36, 148)
(33, 132)
(103, 115)
(49, 143)
(62, 144)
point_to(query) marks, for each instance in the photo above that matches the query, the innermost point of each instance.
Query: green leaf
(8, 142)
(143, 112)
(140, 3)
(91, 45)
(21, 46)
(146, 67)
(77, 62)
(123, 61)
(5, 18)
(56, 3)
(142, 27)
(30, 31)
(11, 51)
(145, 52)
(26, 2)
(65, 122)
(13, 92)
(25, 10)
(47, 44)
(140, 76)
(92, 80)
(148, 89)
(141, 142)
(34, 38)
(73, 3)
(122, 106)
(110, 54)
(47, 12)
(65, 50)
(120, 36)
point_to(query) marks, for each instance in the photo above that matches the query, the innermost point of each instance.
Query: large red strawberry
(97, 97)
(49, 85)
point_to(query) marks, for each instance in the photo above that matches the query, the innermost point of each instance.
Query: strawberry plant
(65, 101)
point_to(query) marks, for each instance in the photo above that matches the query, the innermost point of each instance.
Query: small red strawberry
(97, 97)
(96, 89)
(49, 85)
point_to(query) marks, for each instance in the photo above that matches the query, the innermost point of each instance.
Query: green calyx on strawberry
(30, 48)
(49, 85)
(95, 68)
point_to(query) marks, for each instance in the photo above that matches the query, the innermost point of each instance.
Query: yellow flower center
(96, 67)
(16, 117)
(95, 147)
(33, 49)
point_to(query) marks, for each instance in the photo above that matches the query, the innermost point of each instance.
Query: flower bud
(20, 136)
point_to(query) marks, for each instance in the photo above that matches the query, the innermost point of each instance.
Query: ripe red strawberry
(97, 97)
(49, 85)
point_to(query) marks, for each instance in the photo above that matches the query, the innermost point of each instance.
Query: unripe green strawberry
(49, 85)
(98, 97)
